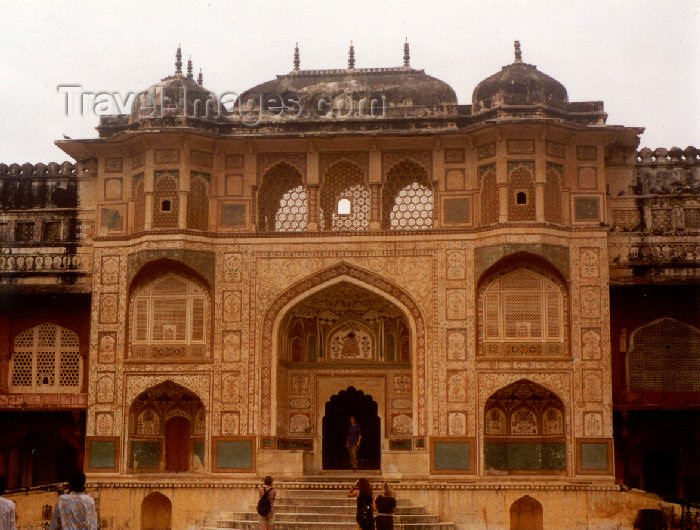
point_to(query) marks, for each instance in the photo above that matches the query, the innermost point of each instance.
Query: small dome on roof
(518, 84)
(177, 95)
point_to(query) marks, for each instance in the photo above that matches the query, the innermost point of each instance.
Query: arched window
(522, 313)
(524, 430)
(345, 199)
(169, 319)
(282, 200)
(344, 207)
(166, 190)
(407, 200)
(46, 358)
(664, 356)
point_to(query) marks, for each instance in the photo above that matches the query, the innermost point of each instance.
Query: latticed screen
(407, 200)
(413, 208)
(292, 213)
(358, 217)
(344, 180)
(46, 357)
(170, 310)
(523, 306)
(198, 202)
(282, 204)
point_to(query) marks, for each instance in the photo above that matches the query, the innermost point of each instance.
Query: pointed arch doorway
(336, 421)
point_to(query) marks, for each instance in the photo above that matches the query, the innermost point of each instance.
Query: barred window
(169, 310)
(46, 358)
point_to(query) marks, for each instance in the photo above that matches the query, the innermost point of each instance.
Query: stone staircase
(309, 509)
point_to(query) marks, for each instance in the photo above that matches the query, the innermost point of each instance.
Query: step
(282, 517)
(325, 501)
(306, 525)
(281, 507)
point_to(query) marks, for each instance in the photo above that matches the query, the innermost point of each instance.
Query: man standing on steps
(353, 442)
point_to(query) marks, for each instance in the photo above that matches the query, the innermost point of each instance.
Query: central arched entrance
(336, 422)
(166, 430)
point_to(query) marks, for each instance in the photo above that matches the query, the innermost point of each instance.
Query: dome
(402, 90)
(518, 84)
(177, 95)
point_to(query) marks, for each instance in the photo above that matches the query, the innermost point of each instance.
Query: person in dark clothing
(353, 442)
(365, 504)
(386, 507)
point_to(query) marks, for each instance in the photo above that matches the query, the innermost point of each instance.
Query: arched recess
(523, 310)
(169, 314)
(524, 430)
(198, 201)
(526, 514)
(166, 430)
(282, 200)
(344, 181)
(343, 272)
(166, 199)
(407, 197)
(156, 512)
(664, 356)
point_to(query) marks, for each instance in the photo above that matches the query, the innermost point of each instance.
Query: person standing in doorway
(8, 517)
(75, 510)
(353, 442)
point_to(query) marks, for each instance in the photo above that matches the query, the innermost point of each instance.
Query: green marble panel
(452, 456)
(145, 454)
(234, 454)
(594, 456)
(525, 456)
(102, 454)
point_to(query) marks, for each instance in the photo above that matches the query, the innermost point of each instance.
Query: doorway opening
(156, 512)
(336, 422)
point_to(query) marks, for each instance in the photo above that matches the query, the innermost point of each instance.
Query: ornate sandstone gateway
(205, 298)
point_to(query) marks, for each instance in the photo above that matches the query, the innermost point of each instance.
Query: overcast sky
(642, 58)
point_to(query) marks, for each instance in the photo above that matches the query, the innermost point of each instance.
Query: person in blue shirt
(353, 442)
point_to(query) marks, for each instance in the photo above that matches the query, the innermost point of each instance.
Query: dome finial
(189, 68)
(518, 53)
(297, 62)
(351, 57)
(200, 78)
(406, 55)
(178, 60)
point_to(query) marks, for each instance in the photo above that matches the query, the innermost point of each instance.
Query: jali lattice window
(522, 313)
(282, 202)
(407, 200)
(46, 358)
(169, 319)
(345, 200)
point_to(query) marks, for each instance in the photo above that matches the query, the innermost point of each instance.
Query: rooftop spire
(406, 55)
(351, 57)
(189, 68)
(297, 62)
(518, 53)
(200, 78)
(178, 60)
